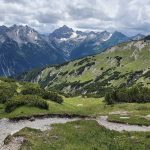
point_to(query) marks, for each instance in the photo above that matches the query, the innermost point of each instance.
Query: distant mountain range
(76, 44)
(22, 48)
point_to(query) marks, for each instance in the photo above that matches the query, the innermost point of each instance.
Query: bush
(52, 96)
(29, 100)
(136, 94)
(9, 80)
(32, 91)
(42, 93)
(109, 98)
(6, 91)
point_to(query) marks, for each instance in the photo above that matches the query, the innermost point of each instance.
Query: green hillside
(120, 66)
(14, 94)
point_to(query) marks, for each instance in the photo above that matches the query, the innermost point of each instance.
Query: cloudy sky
(128, 16)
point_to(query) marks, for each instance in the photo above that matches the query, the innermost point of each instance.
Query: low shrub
(136, 94)
(6, 92)
(29, 100)
(32, 91)
(48, 95)
(52, 96)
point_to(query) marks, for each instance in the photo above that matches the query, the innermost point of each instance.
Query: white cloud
(129, 16)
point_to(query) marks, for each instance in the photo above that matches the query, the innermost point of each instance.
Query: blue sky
(127, 16)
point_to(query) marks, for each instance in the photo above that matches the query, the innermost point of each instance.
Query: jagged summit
(62, 32)
(23, 48)
(65, 27)
(19, 33)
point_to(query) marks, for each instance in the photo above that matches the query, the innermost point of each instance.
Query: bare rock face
(75, 44)
(22, 48)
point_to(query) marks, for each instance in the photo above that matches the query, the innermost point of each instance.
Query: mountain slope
(98, 44)
(119, 66)
(76, 44)
(22, 48)
(65, 39)
(138, 37)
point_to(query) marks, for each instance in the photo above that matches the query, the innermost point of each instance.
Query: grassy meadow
(89, 107)
(83, 135)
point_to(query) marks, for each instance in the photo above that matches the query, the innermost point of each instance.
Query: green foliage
(52, 96)
(43, 83)
(63, 73)
(8, 80)
(61, 65)
(135, 94)
(48, 95)
(29, 95)
(29, 100)
(109, 98)
(118, 58)
(32, 90)
(7, 90)
(104, 73)
(14, 94)
(72, 72)
(147, 74)
(134, 76)
(80, 70)
(81, 62)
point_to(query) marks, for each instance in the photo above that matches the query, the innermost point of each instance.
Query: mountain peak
(65, 29)
(104, 31)
(119, 34)
(3, 26)
(138, 36)
(23, 27)
(62, 32)
(22, 34)
(65, 26)
(3, 29)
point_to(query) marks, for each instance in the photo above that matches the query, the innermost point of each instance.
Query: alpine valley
(23, 48)
(74, 75)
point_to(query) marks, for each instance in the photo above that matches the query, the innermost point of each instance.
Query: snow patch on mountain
(107, 38)
(74, 35)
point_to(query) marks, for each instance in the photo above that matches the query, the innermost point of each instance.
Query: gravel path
(120, 127)
(7, 127)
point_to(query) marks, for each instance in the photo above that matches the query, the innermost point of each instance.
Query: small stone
(32, 119)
